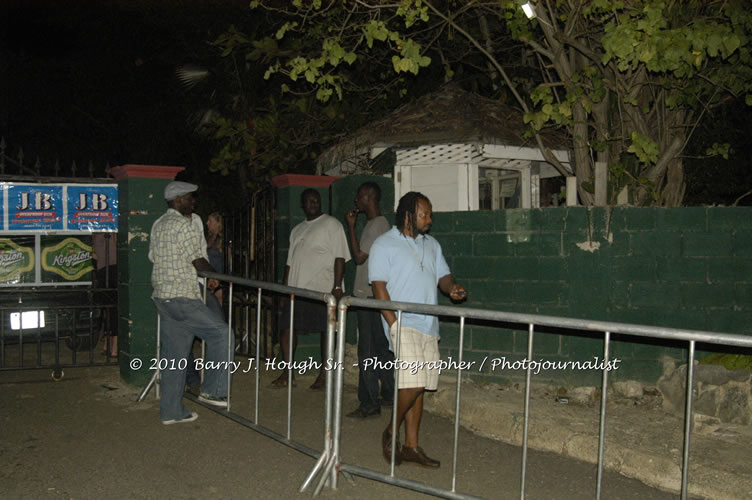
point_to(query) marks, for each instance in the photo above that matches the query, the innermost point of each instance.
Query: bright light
(31, 319)
(528, 9)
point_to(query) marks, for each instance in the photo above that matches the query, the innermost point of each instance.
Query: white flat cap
(178, 188)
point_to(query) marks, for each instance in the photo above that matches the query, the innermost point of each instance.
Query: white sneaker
(189, 418)
(212, 400)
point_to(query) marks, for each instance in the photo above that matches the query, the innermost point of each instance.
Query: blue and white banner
(92, 208)
(58, 208)
(35, 207)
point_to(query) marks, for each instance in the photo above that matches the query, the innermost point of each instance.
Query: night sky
(95, 80)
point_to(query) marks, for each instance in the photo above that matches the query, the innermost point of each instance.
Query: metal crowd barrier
(335, 464)
(323, 457)
(329, 461)
(37, 332)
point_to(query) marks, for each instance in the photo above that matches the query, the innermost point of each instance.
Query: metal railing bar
(395, 429)
(331, 453)
(457, 406)
(158, 373)
(57, 342)
(230, 350)
(602, 426)
(311, 475)
(258, 428)
(403, 483)
(526, 411)
(258, 354)
(272, 287)
(39, 347)
(688, 419)
(20, 341)
(290, 342)
(558, 322)
(332, 433)
(47, 367)
(328, 470)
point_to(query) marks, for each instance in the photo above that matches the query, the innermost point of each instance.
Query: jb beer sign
(58, 207)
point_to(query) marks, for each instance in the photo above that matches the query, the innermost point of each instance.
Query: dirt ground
(85, 436)
(642, 440)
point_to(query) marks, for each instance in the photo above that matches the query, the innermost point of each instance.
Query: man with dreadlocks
(406, 265)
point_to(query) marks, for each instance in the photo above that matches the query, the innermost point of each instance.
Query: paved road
(85, 438)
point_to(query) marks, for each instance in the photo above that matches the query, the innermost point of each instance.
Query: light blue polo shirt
(411, 269)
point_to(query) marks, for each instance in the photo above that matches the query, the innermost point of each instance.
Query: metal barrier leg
(148, 386)
(395, 426)
(154, 382)
(311, 475)
(337, 402)
(688, 419)
(258, 355)
(333, 400)
(290, 342)
(526, 418)
(230, 351)
(602, 431)
(457, 405)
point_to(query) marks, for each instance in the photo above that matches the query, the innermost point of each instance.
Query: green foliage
(411, 59)
(644, 148)
(661, 65)
(722, 150)
(637, 74)
(320, 66)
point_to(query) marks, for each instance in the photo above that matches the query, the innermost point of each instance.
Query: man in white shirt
(315, 261)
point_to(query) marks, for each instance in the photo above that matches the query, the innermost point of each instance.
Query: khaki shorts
(416, 350)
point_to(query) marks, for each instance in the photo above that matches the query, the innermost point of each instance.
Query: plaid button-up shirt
(173, 247)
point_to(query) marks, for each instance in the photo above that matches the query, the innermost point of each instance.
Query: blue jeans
(181, 320)
(372, 343)
(192, 376)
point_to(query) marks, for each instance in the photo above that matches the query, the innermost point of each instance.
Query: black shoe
(386, 448)
(361, 413)
(418, 456)
(387, 402)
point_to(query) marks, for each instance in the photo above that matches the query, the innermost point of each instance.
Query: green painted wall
(681, 267)
(675, 267)
(141, 203)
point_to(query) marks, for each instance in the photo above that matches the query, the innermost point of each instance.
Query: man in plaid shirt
(175, 250)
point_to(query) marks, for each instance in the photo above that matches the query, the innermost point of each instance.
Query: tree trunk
(673, 191)
(583, 168)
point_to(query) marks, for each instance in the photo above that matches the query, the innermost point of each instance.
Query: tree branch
(547, 154)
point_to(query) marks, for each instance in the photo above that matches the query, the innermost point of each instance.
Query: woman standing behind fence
(214, 246)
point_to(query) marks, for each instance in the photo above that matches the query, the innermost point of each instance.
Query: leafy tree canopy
(629, 81)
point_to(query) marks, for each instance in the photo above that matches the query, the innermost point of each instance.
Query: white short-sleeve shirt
(314, 245)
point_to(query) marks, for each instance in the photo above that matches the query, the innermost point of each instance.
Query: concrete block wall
(682, 267)
(675, 267)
